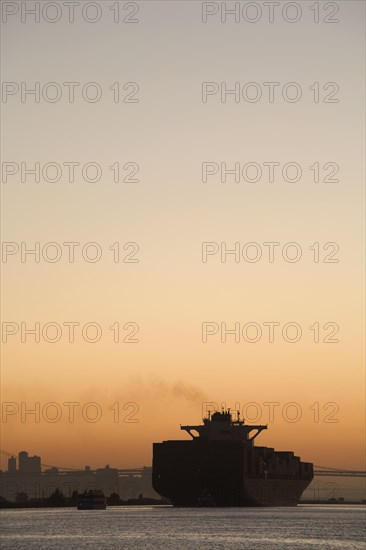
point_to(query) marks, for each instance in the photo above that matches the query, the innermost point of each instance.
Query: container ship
(92, 500)
(221, 466)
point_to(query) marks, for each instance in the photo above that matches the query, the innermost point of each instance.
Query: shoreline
(33, 506)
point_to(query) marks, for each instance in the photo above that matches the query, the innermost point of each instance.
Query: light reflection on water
(145, 527)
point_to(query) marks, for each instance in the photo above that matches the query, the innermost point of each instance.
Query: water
(156, 527)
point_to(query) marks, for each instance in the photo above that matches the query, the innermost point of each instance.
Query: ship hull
(254, 493)
(195, 473)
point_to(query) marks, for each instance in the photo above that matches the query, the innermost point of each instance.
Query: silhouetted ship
(221, 467)
(92, 500)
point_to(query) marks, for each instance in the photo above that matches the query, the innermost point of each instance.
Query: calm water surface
(307, 527)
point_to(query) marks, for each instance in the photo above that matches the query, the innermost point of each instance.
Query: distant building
(12, 465)
(29, 464)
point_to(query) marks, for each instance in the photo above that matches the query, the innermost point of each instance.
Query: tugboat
(92, 500)
(220, 466)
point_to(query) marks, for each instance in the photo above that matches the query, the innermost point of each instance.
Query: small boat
(92, 500)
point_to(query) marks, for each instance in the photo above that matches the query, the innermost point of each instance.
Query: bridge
(325, 471)
(337, 472)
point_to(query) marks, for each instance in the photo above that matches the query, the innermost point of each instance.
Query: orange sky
(169, 212)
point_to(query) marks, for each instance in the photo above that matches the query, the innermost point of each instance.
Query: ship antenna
(238, 415)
